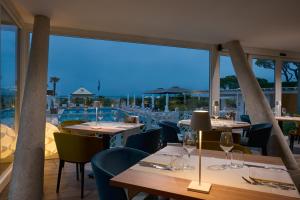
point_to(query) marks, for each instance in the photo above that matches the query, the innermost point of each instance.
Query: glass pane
(290, 93)
(231, 98)
(132, 78)
(264, 72)
(8, 63)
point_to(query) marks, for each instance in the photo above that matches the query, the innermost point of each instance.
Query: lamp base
(195, 186)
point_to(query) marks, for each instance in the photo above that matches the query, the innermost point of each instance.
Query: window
(147, 80)
(8, 67)
(231, 98)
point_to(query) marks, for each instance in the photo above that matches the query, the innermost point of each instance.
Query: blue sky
(122, 68)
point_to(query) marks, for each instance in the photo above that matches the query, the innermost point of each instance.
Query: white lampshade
(201, 120)
(97, 104)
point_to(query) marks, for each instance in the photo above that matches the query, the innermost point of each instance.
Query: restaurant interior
(204, 155)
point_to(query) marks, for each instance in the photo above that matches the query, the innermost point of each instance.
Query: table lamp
(97, 105)
(200, 122)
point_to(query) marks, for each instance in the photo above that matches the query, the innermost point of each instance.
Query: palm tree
(54, 80)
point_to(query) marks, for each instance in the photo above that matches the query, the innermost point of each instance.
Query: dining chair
(148, 141)
(245, 118)
(110, 163)
(214, 145)
(76, 149)
(169, 133)
(259, 135)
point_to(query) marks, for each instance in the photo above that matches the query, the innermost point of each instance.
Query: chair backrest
(173, 124)
(214, 135)
(245, 118)
(259, 136)
(214, 145)
(169, 133)
(148, 141)
(110, 163)
(77, 148)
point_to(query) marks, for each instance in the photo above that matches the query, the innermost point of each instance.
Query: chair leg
(82, 178)
(61, 165)
(77, 172)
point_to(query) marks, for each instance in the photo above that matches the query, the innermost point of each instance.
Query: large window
(8, 66)
(290, 91)
(231, 98)
(264, 70)
(147, 80)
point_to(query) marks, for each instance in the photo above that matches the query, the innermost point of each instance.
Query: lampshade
(97, 104)
(201, 120)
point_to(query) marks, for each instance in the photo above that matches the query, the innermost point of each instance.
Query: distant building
(81, 96)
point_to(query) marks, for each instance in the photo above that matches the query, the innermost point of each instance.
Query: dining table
(220, 124)
(286, 118)
(106, 129)
(266, 177)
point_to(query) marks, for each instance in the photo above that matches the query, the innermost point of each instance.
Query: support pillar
(214, 78)
(28, 169)
(152, 102)
(143, 104)
(258, 108)
(167, 103)
(278, 86)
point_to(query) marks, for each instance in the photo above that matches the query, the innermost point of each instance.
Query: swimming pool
(89, 114)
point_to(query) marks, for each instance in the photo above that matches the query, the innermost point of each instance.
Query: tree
(231, 82)
(54, 80)
(289, 70)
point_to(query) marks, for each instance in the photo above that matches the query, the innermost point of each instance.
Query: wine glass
(114, 115)
(226, 143)
(189, 145)
(100, 115)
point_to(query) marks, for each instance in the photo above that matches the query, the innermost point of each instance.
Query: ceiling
(268, 24)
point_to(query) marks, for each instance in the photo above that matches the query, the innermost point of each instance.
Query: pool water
(89, 114)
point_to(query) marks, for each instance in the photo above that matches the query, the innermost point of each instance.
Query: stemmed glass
(226, 143)
(114, 115)
(100, 115)
(189, 145)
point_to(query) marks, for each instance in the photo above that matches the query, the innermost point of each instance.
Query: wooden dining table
(220, 124)
(106, 129)
(167, 185)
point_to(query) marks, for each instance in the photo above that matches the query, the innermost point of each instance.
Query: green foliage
(231, 82)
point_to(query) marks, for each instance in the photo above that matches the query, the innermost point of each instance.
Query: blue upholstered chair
(245, 118)
(169, 132)
(110, 163)
(259, 135)
(148, 141)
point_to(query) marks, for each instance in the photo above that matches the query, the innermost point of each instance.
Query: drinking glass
(237, 159)
(100, 115)
(283, 110)
(114, 115)
(189, 145)
(226, 143)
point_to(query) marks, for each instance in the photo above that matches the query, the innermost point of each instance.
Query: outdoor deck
(69, 188)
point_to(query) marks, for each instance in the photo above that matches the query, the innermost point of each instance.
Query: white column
(128, 103)
(214, 71)
(133, 99)
(143, 105)
(28, 169)
(278, 86)
(167, 103)
(152, 102)
(258, 108)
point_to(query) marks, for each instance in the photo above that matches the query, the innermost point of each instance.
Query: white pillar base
(202, 187)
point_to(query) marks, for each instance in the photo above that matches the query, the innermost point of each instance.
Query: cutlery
(155, 165)
(277, 186)
(272, 182)
(264, 167)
